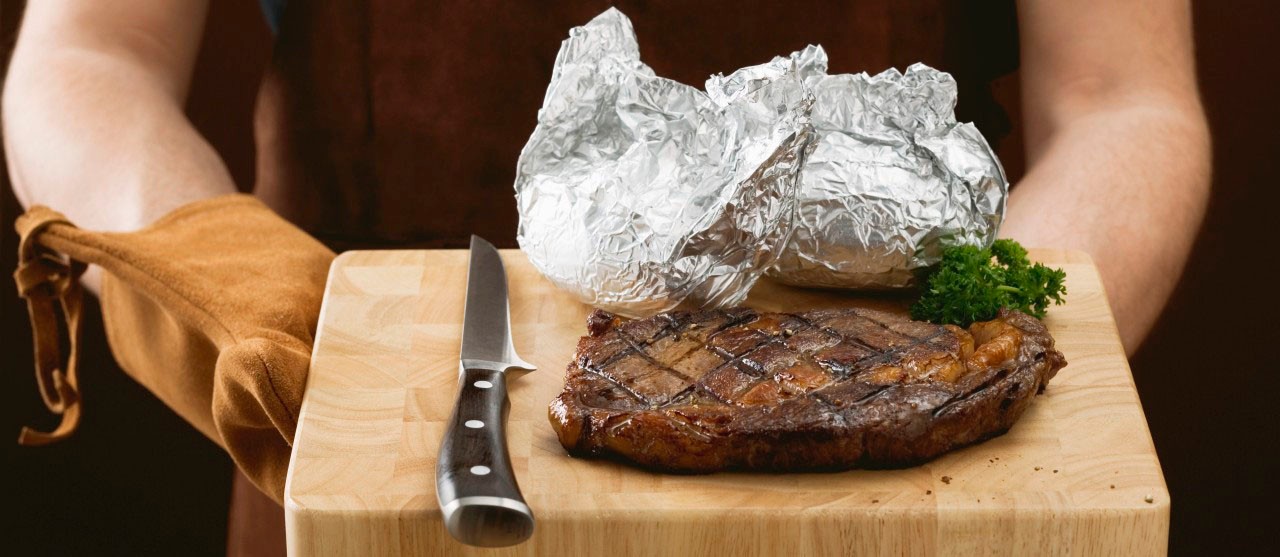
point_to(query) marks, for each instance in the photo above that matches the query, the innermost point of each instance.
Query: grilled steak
(828, 389)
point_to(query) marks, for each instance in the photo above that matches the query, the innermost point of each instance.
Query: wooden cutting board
(1076, 475)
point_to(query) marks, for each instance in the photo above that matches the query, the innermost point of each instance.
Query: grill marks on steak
(709, 390)
(745, 358)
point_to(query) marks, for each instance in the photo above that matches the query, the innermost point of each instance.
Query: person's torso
(399, 122)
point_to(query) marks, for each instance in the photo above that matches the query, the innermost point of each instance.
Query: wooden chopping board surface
(1077, 474)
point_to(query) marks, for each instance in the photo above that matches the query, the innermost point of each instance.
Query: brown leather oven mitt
(213, 308)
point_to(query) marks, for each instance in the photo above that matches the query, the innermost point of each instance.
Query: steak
(821, 390)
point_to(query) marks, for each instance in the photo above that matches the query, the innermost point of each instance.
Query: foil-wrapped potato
(640, 194)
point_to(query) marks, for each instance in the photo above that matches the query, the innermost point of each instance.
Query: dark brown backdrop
(136, 479)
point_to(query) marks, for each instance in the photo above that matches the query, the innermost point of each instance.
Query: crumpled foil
(640, 194)
(892, 181)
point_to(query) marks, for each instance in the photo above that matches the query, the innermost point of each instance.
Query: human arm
(1117, 145)
(93, 112)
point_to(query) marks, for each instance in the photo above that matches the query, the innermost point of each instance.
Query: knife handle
(477, 489)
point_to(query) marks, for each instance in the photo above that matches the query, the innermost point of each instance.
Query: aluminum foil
(893, 180)
(639, 194)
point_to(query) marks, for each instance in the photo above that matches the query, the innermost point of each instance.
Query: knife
(478, 494)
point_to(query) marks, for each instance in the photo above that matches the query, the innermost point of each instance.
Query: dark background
(136, 479)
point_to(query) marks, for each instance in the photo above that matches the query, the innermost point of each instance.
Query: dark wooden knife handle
(478, 494)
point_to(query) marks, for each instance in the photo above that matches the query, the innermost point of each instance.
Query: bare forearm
(93, 120)
(1117, 145)
(90, 136)
(1129, 185)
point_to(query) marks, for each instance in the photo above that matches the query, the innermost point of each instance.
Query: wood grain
(1077, 475)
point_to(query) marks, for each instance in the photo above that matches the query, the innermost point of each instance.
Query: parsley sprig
(972, 284)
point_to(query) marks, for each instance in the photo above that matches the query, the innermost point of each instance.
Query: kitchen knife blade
(477, 489)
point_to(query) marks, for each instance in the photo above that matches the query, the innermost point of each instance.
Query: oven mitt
(213, 308)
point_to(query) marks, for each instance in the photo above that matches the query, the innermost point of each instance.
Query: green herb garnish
(972, 284)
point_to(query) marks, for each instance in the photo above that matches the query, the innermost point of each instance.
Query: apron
(398, 123)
